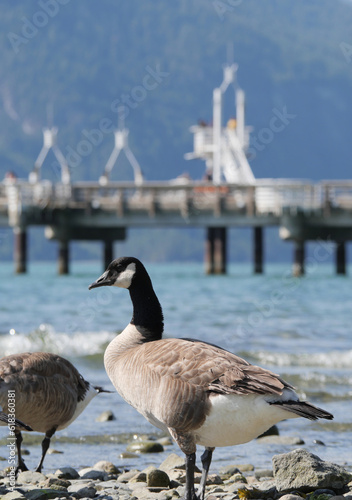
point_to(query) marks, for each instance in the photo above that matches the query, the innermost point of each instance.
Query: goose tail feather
(304, 409)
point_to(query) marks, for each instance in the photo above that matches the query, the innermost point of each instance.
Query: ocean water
(297, 327)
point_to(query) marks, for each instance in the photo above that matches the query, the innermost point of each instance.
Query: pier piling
(20, 253)
(258, 249)
(216, 251)
(64, 257)
(340, 257)
(299, 256)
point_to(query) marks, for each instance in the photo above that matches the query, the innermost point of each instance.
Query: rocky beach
(294, 475)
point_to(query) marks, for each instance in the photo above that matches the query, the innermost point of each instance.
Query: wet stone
(91, 473)
(31, 477)
(145, 447)
(106, 416)
(67, 473)
(107, 467)
(158, 478)
(128, 454)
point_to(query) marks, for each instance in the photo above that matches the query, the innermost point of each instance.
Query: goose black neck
(147, 312)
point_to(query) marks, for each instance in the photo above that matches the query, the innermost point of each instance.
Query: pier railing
(268, 196)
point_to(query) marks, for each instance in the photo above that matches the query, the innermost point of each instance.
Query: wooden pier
(302, 211)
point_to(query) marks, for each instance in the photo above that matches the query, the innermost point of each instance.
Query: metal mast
(224, 148)
(121, 144)
(50, 142)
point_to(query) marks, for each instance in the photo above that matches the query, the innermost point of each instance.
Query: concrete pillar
(64, 257)
(215, 250)
(299, 256)
(258, 249)
(340, 257)
(108, 252)
(20, 250)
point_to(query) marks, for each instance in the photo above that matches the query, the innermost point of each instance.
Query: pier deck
(89, 211)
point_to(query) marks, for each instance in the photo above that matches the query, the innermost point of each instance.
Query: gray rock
(289, 496)
(82, 491)
(302, 471)
(46, 494)
(140, 477)
(31, 477)
(259, 473)
(228, 470)
(126, 476)
(173, 461)
(285, 440)
(13, 495)
(59, 483)
(107, 467)
(67, 473)
(158, 478)
(106, 416)
(91, 473)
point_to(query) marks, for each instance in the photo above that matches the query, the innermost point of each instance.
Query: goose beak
(104, 280)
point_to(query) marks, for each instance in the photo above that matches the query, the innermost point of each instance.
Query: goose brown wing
(47, 388)
(210, 367)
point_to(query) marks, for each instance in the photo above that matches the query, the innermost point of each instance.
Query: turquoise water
(300, 328)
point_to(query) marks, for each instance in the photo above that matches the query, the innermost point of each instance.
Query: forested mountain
(161, 60)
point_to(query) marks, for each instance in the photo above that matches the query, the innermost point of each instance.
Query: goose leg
(45, 447)
(206, 461)
(190, 493)
(21, 466)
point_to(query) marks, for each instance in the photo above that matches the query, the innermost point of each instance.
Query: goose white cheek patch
(124, 279)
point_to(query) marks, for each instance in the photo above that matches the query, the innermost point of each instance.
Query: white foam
(45, 338)
(331, 359)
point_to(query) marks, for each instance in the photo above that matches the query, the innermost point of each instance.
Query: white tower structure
(50, 142)
(224, 148)
(121, 144)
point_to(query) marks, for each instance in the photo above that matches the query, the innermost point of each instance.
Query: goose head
(121, 272)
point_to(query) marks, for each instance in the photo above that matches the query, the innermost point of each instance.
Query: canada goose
(46, 391)
(5, 420)
(201, 393)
